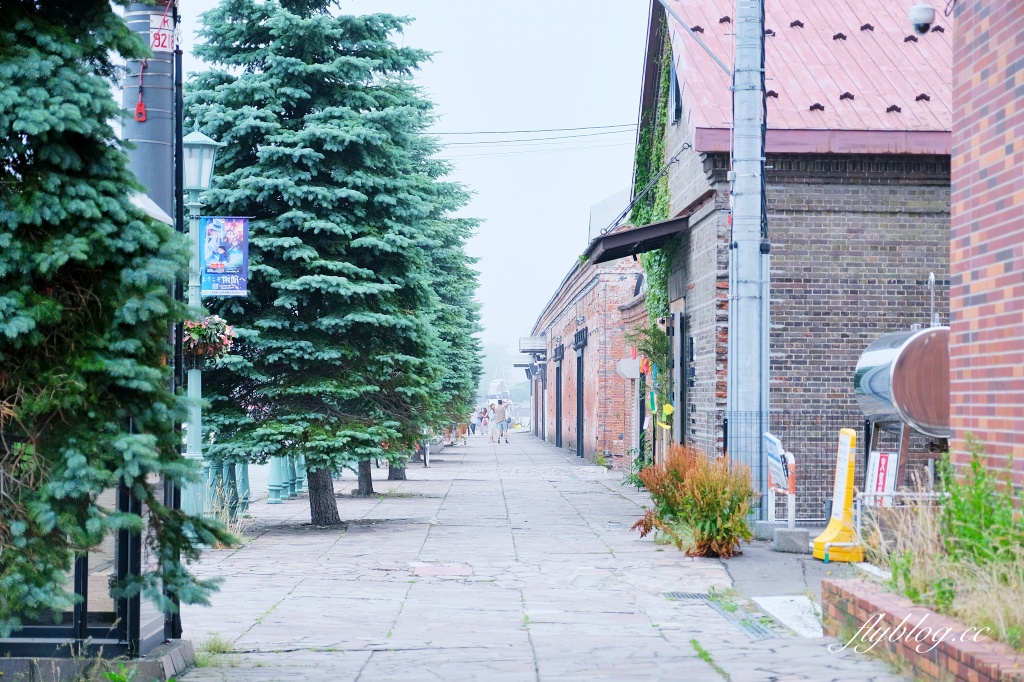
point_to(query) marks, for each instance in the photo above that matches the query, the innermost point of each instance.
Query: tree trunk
(323, 506)
(396, 471)
(365, 479)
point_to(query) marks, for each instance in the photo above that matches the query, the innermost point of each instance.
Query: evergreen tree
(85, 316)
(456, 318)
(325, 151)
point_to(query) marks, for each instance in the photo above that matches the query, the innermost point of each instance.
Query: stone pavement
(499, 562)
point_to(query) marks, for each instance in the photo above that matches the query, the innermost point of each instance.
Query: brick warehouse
(987, 239)
(583, 328)
(858, 206)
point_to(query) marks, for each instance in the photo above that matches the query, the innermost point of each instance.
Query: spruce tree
(456, 316)
(85, 316)
(325, 151)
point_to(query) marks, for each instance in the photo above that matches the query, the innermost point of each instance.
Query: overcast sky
(528, 65)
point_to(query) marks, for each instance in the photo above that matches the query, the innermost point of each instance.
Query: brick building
(857, 194)
(987, 239)
(580, 401)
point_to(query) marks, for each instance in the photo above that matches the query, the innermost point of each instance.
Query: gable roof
(855, 58)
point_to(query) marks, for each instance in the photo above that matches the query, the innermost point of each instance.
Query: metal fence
(811, 435)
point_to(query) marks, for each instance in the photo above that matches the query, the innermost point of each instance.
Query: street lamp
(199, 155)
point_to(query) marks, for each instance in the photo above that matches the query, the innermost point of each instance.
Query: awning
(637, 240)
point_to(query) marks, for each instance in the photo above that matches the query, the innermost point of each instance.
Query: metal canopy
(637, 240)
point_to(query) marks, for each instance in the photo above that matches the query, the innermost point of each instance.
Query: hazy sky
(528, 65)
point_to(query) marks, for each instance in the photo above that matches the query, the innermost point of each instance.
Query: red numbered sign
(161, 34)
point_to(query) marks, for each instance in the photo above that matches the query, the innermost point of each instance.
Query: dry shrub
(699, 497)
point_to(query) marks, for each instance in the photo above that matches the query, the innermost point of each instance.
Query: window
(675, 101)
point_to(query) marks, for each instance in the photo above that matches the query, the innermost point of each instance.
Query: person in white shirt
(500, 415)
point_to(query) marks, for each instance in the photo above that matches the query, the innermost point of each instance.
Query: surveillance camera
(922, 16)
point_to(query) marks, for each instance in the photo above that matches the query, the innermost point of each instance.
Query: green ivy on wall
(650, 157)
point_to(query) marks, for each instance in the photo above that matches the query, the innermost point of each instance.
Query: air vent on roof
(725, 20)
(817, 107)
(697, 29)
(910, 39)
(797, 23)
(846, 95)
(769, 32)
(771, 93)
(892, 108)
(839, 36)
(923, 97)
(867, 27)
(938, 29)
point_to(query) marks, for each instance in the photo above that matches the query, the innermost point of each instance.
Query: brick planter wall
(848, 605)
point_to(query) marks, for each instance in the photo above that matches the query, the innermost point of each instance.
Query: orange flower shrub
(698, 495)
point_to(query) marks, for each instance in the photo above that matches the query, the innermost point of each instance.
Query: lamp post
(199, 154)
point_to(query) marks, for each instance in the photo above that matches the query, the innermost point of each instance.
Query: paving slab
(511, 562)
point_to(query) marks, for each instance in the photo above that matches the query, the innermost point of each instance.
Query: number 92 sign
(161, 34)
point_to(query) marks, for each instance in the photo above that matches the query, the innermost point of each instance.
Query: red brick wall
(590, 297)
(987, 239)
(933, 647)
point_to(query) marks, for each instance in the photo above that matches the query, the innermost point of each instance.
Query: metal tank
(904, 377)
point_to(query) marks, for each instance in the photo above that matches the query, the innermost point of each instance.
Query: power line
(481, 143)
(537, 130)
(538, 151)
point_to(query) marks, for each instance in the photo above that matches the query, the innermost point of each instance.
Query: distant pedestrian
(501, 415)
(492, 423)
(474, 421)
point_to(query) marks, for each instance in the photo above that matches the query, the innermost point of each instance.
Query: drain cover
(680, 596)
(751, 627)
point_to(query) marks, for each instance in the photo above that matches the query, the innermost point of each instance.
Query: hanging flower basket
(210, 338)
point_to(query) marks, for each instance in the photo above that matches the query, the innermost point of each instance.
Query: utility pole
(148, 97)
(749, 251)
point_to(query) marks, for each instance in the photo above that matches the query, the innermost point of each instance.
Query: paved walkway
(499, 562)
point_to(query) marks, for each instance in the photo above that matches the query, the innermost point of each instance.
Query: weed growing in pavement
(705, 656)
(964, 556)
(210, 650)
(726, 599)
(639, 459)
(698, 501)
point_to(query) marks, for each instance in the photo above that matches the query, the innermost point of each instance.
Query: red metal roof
(873, 60)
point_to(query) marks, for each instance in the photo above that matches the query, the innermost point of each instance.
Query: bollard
(274, 485)
(231, 490)
(290, 474)
(302, 483)
(243, 488)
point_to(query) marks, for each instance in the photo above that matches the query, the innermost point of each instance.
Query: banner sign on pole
(224, 256)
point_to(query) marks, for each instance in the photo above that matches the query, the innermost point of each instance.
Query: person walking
(501, 414)
(492, 423)
(474, 421)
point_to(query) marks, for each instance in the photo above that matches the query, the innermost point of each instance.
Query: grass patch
(211, 652)
(725, 599)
